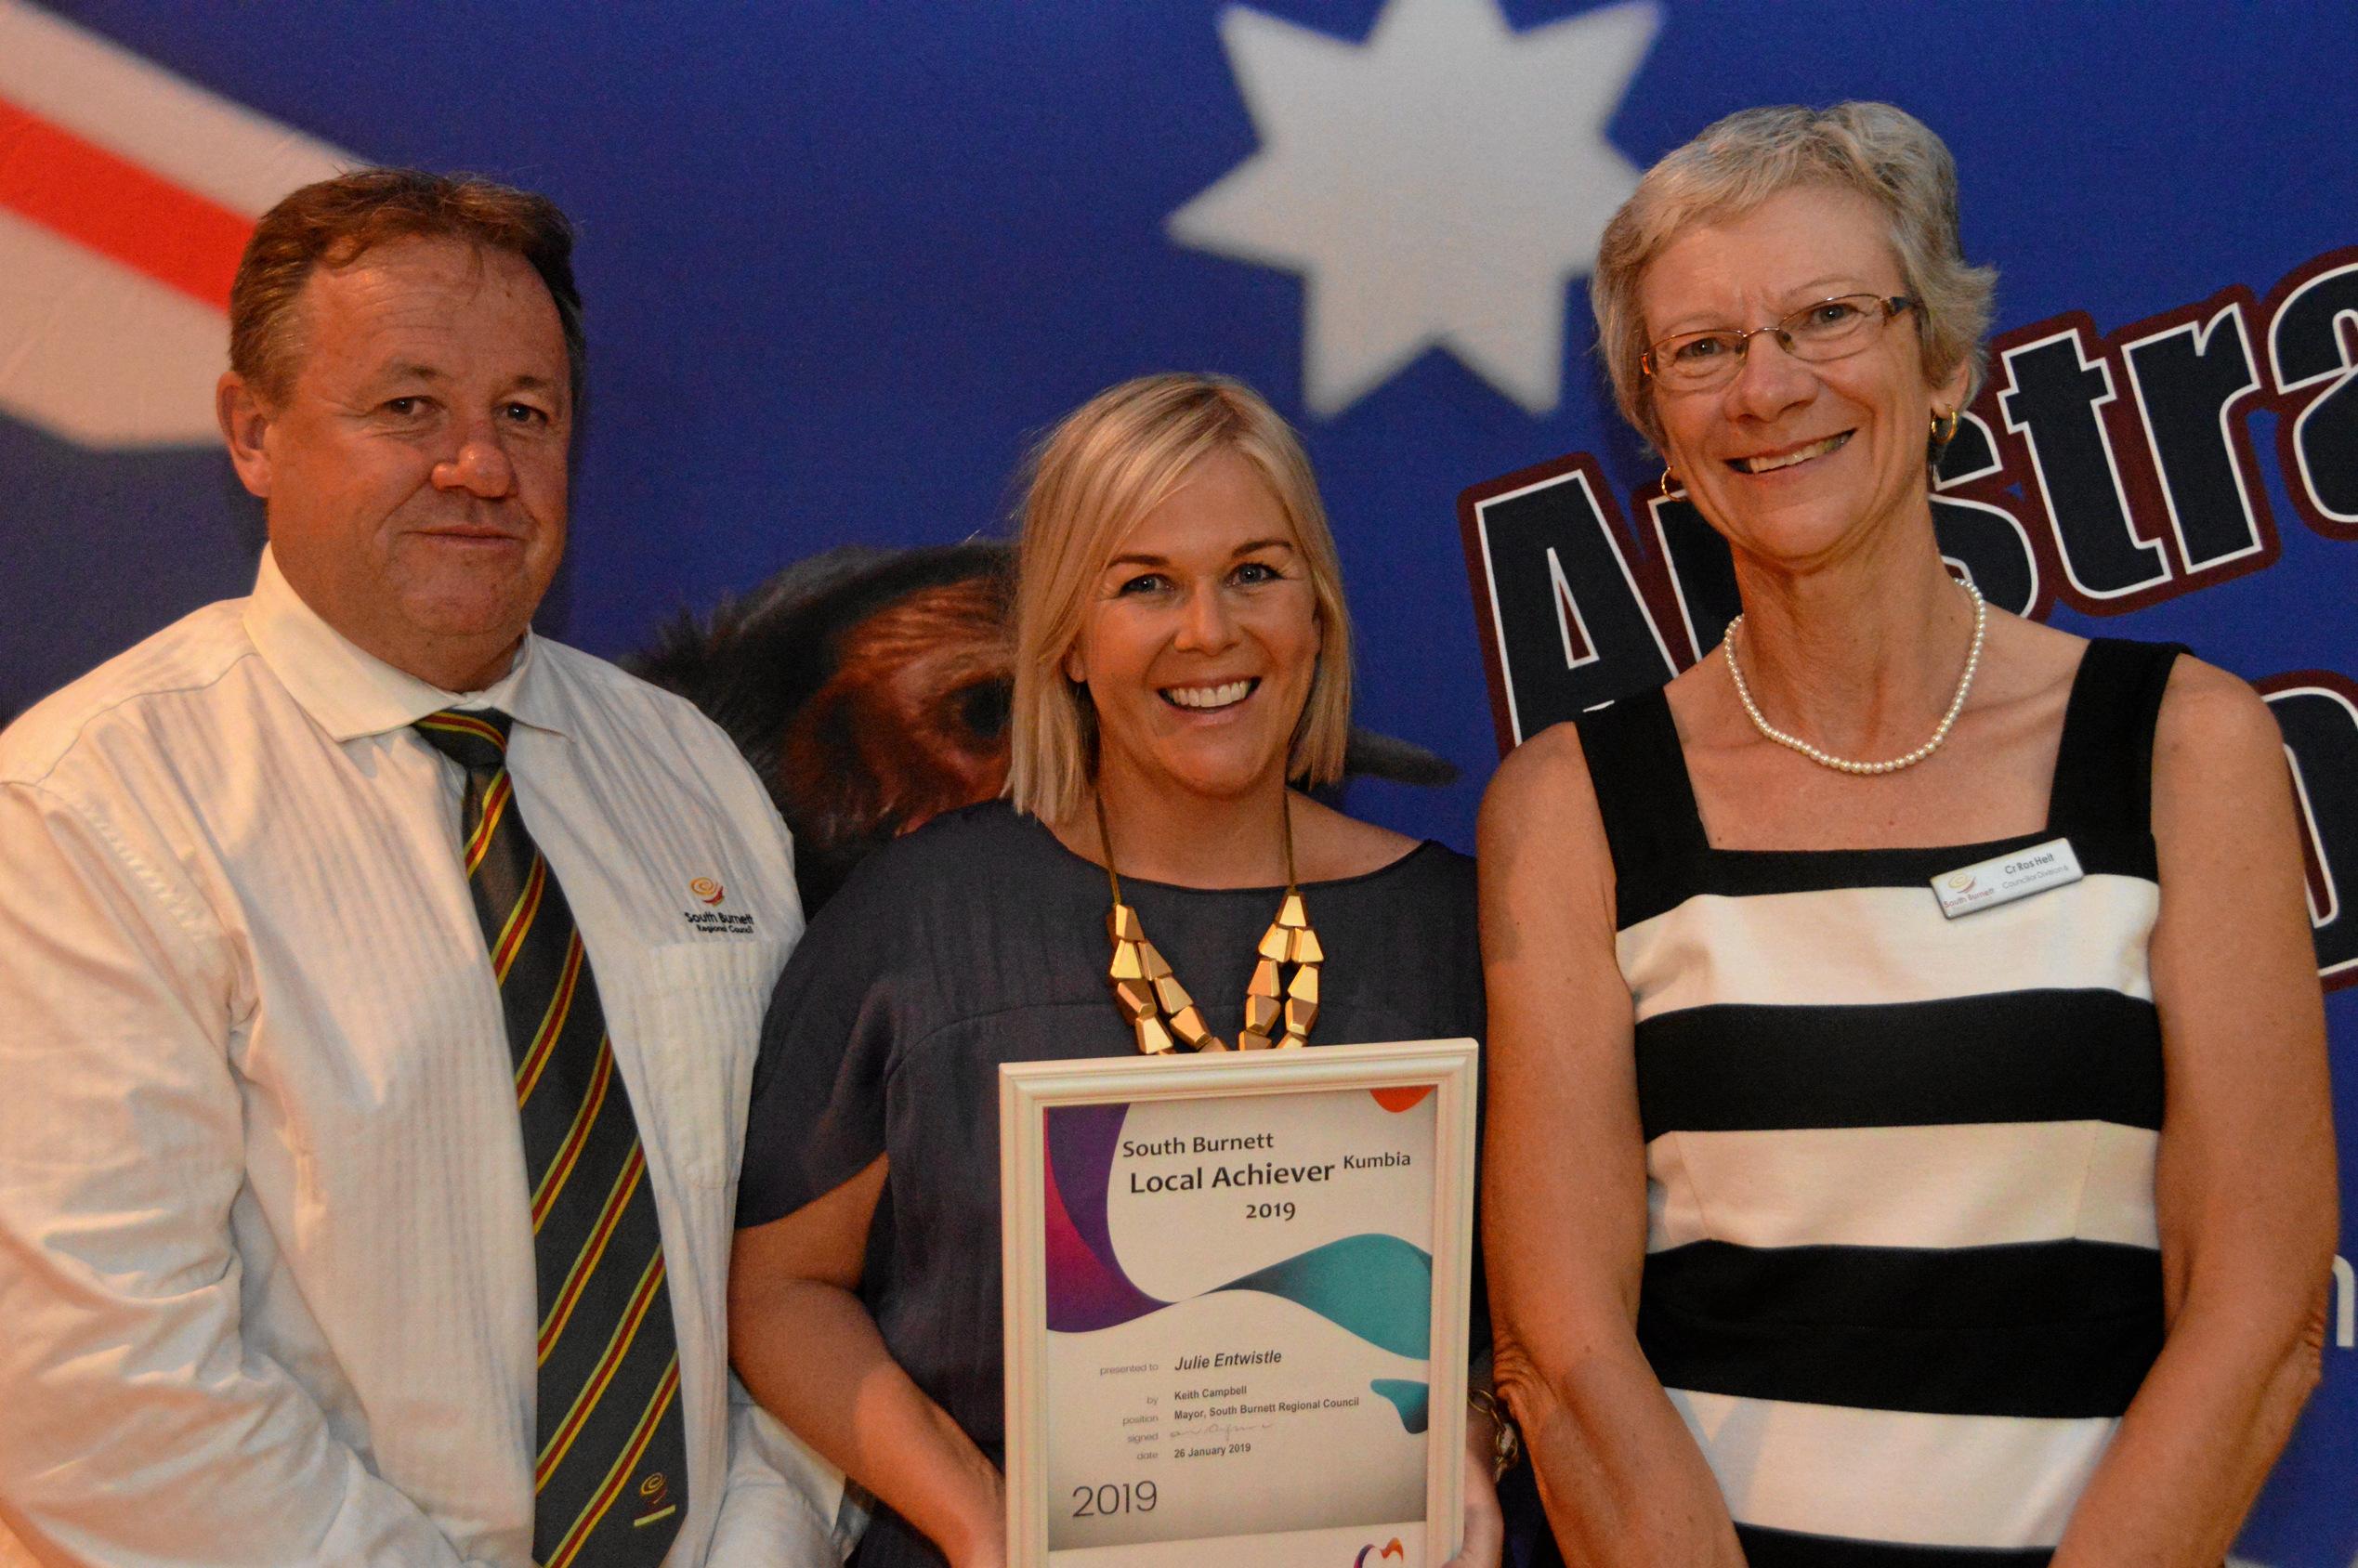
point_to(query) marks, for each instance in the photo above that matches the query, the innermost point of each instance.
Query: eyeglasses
(1830, 329)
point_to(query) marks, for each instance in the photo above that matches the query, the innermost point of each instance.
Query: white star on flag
(1437, 186)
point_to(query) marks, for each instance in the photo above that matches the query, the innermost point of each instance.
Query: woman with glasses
(1908, 1134)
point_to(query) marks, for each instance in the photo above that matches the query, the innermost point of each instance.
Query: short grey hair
(1882, 152)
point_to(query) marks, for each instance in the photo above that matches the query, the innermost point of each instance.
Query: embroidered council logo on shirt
(712, 919)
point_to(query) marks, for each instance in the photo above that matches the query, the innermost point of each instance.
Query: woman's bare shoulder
(1541, 816)
(2027, 659)
(2209, 716)
(2203, 704)
(1547, 774)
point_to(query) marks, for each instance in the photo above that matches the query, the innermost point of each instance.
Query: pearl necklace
(1843, 765)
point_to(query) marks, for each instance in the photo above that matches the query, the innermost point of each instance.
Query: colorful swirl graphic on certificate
(1239, 1296)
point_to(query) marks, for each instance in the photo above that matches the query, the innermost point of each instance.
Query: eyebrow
(1241, 552)
(409, 370)
(1831, 280)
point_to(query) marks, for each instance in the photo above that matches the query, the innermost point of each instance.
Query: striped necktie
(611, 1478)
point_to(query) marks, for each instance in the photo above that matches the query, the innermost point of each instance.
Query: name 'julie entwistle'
(1200, 1362)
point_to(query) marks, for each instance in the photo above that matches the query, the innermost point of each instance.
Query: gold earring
(1671, 486)
(1945, 426)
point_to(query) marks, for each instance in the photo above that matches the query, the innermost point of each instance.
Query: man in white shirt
(291, 1135)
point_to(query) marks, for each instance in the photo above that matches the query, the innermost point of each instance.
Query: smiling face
(415, 469)
(1795, 462)
(1200, 640)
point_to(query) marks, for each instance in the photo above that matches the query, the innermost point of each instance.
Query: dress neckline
(2100, 797)
(2077, 718)
(1415, 852)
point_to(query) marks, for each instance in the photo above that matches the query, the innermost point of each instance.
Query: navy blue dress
(980, 939)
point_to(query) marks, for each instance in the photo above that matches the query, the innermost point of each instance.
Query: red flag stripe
(103, 201)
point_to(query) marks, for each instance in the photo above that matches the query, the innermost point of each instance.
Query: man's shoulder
(634, 741)
(633, 725)
(606, 691)
(121, 701)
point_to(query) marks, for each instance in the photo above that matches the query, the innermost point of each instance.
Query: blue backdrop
(843, 260)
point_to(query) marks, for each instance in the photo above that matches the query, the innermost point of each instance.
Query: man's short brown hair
(335, 222)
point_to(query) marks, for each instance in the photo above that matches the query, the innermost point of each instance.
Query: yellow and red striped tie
(611, 1474)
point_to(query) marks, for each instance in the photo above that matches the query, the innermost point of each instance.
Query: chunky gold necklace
(1165, 1016)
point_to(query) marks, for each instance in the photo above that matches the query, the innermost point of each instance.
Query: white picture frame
(1297, 1090)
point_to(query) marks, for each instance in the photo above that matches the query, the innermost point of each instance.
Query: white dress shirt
(266, 1288)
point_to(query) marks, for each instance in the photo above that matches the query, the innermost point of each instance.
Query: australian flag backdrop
(843, 260)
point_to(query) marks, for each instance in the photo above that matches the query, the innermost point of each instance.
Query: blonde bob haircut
(1112, 460)
(1884, 153)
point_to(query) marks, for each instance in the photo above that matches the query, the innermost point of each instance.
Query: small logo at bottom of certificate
(1391, 1549)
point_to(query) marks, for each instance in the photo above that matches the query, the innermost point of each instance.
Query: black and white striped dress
(1903, 1274)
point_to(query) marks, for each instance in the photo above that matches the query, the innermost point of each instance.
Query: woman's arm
(809, 1351)
(2245, 1185)
(1564, 1184)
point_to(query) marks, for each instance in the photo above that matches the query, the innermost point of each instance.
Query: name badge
(2004, 878)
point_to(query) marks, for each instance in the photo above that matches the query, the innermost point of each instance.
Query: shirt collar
(350, 693)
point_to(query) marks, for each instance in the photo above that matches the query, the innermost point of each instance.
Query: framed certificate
(1235, 1307)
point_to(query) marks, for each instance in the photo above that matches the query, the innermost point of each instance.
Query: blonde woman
(1183, 662)
(1909, 1141)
